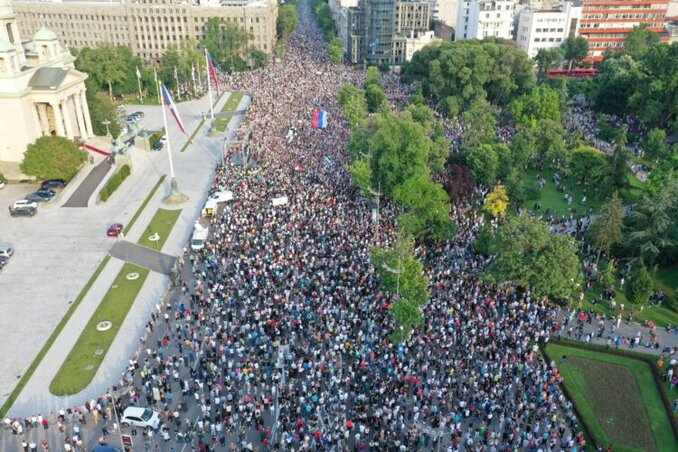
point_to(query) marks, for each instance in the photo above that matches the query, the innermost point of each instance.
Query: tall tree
(607, 228)
(655, 145)
(576, 48)
(529, 255)
(620, 159)
(639, 40)
(287, 20)
(549, 58)
(353, 104)
(497, 201)
(540, 103)
(52, 158)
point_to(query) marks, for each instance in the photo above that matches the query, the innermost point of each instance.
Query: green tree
(640, 285)
(375, 97)
(101, 108)
(335, 50)
(652, 233)
(484, 162)
(52, 158)
(617, 81)
(104, 65)
(639, 40)
(372, 77)
(620, 158)
(227, 43)
(427, 207)
(353, 104)
(479, 125)
(361, 175)
(530, 256)
(540, 103)
(655, 144)
(548, 59)
(607, 228)
(576, 48)
(287, 20)
(589, 164)
(439, 152)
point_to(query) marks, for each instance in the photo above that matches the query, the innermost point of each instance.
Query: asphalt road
(83, 193)
(143, 257)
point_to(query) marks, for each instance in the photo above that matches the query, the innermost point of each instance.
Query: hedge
(114, 182)
(155, 137)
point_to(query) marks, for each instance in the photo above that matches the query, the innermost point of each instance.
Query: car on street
(23, 211)
(158, 146)
(6, 251)
(38, 197)
(46, 192)
(140, 114)
(114, 230)
(51, 184)
(133, 118)
(24, 203)
(140, 417)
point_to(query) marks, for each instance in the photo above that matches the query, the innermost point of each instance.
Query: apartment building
(444, 11)
(149, 27)
(412, 16)
(479, 19)
(605, 23)
(547, 29)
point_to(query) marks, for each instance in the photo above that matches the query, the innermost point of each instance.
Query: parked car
(53, 183)
(2, 183)
(23, 211)
(114, 230)
(23, 203)
(3, 261)
(38, 197)
(46, 192)
(133, 118)
(140, 417)
(140, 114)
(158, 146)
(6, 252)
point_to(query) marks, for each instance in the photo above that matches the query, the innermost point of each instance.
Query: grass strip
(617, 397)
(221, 124)
(162, 223)
(50, 340)
(84, 359)
(202, 121)
(143, 205)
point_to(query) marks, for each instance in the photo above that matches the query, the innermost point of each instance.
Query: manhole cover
(105, 325)
(114, 286)
(154, 237)
(89, 367)
(132, 276)
(99, 351)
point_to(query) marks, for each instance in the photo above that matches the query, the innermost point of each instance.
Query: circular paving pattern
(132, 276)
(154, 237)
(105, 325)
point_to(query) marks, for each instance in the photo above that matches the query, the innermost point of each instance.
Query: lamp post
(106, 122)
(117, 421)
(397, 272)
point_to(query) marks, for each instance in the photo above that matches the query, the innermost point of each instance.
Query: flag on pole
(168, 101)
(138, 73)
(212, 71)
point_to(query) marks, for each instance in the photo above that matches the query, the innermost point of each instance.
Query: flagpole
(176, 79)
(209, 85)
(169, 147)
(141, 95)
(157, 86)
(195, 89)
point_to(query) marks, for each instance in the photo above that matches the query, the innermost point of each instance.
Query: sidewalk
(194, 172)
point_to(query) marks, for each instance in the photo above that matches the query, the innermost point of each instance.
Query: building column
(79, 117)
(58, 118)
(67, 119)
(44, 119)
(85, 111)
(36, 119)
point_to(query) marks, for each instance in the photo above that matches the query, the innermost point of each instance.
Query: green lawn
(617, 397)
(221, 124)
(143, 205)
(89, 351)
(162, 224)
(551, 198)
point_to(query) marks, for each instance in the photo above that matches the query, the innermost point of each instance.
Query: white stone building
(404, 46)
(445, 11)
(546, 29)
(40, 91)
(479, 19)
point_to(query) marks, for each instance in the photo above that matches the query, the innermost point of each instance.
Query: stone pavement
(143, 257)
(81, 196)
(32, 311)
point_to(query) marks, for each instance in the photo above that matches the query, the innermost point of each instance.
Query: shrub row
(155, 137)
(114, 182)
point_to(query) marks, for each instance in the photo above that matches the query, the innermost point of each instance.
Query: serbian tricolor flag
(212, 71)
(167, 99)
(319, 119)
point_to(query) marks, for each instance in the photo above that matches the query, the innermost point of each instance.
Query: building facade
(445, 11)
(479, 19)
(40, 91)
(540, 29)
(404, 46)
(148, 27)
(605, 23)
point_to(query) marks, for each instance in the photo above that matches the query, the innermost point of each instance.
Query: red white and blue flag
(212, 71)
(319, 119)
(172, 108)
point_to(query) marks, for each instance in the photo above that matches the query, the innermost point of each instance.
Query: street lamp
(117, 421)
(106, 122)
(397, 272)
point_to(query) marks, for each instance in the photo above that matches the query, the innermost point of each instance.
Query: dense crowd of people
(281, 338)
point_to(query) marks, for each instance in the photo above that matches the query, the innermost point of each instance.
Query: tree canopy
(456, 74)
(530, 256)
(53, 158)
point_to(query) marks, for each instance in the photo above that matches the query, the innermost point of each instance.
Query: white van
(140, 417)
(199, 238)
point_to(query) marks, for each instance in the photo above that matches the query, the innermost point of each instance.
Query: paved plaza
(58, 250)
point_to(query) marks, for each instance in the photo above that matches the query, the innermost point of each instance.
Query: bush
(153, 139)
(53, 158)
(640, 286)
(114, 182)
(483, 242)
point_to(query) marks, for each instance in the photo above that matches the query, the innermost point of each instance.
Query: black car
(53, 183)
(46, 192)
(3, 261)
(38, 197)
(25, 211)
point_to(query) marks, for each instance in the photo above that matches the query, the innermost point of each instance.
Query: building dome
(44, 34)
(6, 46)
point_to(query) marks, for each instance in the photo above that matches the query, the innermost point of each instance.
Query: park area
(617, 397)
(157, 231)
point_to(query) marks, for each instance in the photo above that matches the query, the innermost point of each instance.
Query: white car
(2, 183)
(24, 203)
(140, 417)
(6, 251)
